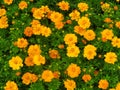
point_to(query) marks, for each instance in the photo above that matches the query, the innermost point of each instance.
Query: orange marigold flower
(18, 73)
(107, 34)
(84, 22)
(47, 75)
(28, 78)
(79, 30)
(28, 31)
(45, 9)
(56, 74)
(2, 12)
(70, 84)
(34, 23)
(86, 77)
(116, 8)
(54, 54)
(61, 46)
(34, 50)
(45, 31)
(63, 5)
(22, 5)
(117, 24)
(38, 60)
(107, 20)
(73, 51)
(11, 85)
(110, 57)
(8, 2)
(29, 61)
(89, 35)
(21, 43)
(38, 14)
(103, 84)
(73, 70)
(70, 39)
(33, 9)
(4, 22)
(117, 86)
(74, 15)
(68, 22)
(59, 25)
(90, 52)
(15, 63)
(83, 6)
(56, 17)
(38, 29)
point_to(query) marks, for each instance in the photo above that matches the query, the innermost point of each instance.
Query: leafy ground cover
(59, 45)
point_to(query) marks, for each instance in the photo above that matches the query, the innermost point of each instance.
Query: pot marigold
(110, 57)
(15, 63)
(34, 50)
(73, 51)
(86, 77)
(70, 84)
(63, 5)
(8, 2)
(73, 70)
(47, 75)
(38, 59)
(90, 52)
(75, 15)
(21, 43)
(29, 61)
(70, 39)
(84, 22)
(83, 7)
(89, 35)
(22, 5)
(103, 84)
(2, 12)
(11, 85)
(79, 30)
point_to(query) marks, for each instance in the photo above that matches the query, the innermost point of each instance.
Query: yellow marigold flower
(117, 24)
(115, 42)
(56, 17)
(110, 57)
(11, 85)
(2, 12)
(107, 20)
(4, 22)
(83, 7)
(34, 23)
(45, 9)
(117, 86)
(89, 35)
(22, 5)
(8, 2)
(70, 84)
(84, 22)
(74, 15)
(63, 5)
(73, 51)
(103, 84)
(73, 70)
(15, 63)
(29, 61)
(34, 50)
(46, 31)
(105, 7)
(21, 43)
(38, 14)
(90, 52)
(38, 59)
(86, 77)
(107, 34)
(28, 31)
(28, 78)
(54, 54)
(70, 39)
(59, 25)
(79, 30)
(38, 29)
(47, 75)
